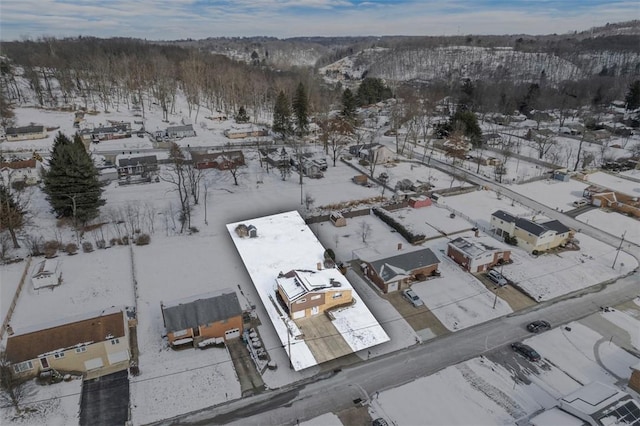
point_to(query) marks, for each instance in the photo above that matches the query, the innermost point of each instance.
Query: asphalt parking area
(105, 400)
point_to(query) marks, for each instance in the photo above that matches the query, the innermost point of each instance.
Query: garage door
(118, 357)
(232, 334)
(92, 364)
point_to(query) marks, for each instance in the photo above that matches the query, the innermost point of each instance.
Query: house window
(115, 341)
(23, 366)
(58, 355)
(81, 349)
(337, 295)
(301, 301)
(316, 297)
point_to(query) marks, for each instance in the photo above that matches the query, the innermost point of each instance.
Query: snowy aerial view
(319, 213)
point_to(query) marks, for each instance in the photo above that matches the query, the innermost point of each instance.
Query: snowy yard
(553, 193)
(554, 274)
(614, 223)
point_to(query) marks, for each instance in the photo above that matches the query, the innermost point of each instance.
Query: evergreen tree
(300, 107)
(71, 183)
(468, 123)
(372, 90)
(282, 116)
(242, 116)
(633, 96)
(349, 104)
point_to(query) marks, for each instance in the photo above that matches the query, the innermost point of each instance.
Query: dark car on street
(538, 326)
(526, 351)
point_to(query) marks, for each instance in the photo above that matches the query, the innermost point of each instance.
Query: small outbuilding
(337, 219)
(421, 201)
(47, 274)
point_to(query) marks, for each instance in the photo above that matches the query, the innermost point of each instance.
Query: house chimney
(319, 265)
(399, 246)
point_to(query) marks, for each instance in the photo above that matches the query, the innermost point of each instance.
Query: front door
(44, 363)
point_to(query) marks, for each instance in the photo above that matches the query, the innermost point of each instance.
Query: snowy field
(615, 183)
(551, 275)
(614, 223)
(553, 193)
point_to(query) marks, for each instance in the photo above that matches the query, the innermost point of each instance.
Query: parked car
(412, 297)
(581, 202)
(526, 351)
(379, 422)
(538, 326)
(497, 277)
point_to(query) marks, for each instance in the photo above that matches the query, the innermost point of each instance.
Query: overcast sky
(180, 19)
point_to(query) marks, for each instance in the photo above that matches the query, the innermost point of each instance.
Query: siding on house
(72, 346)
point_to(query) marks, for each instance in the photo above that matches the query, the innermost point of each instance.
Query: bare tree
(364, 230)
(176, 174)
(542, 144)
(336, 132)
(13, 389)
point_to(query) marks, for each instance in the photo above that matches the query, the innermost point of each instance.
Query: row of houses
(99, 342)
(115, 130)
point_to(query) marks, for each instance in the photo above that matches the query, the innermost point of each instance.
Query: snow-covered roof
(300, 282)
(592, 398)
(286, 243)
(476, 246)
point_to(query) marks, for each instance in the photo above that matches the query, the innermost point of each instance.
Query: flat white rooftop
(284, 242)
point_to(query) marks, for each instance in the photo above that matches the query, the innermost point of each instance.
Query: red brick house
(200, 319)
(477, 254)
(417, 202)
(218, 160)
(398, 272)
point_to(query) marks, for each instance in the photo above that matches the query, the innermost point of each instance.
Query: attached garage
(94, 363)
(117, 357)
(232, 334)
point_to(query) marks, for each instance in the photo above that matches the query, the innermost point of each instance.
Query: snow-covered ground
(177, 265)
(553, 193)
(614, 223)
(481, 391)
(615, 183)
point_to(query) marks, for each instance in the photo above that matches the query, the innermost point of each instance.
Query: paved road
(336, 391)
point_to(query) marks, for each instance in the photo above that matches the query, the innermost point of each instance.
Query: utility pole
(618, 251)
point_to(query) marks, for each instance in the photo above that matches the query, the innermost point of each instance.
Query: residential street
(334, 392)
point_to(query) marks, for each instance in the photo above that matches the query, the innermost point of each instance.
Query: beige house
(306, 293)
(25, 133)
(530, 235)
(96, 343)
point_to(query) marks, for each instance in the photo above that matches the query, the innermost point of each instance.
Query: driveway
(105, 400)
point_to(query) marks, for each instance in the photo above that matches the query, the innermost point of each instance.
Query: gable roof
(501, 214)
(403, 264)
(206, 309)
(556, 225)
(24, 347)
(531, 227)
(20, 164)
(185, 128)
(134, 161)
(24, 130)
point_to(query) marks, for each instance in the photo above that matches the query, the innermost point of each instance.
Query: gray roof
(105, 129)
(557, 226)
(531, 227)
(404, 263)
(201, 311)
(186, 128)
(147, 159)
(24, 130)
(501, 214)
